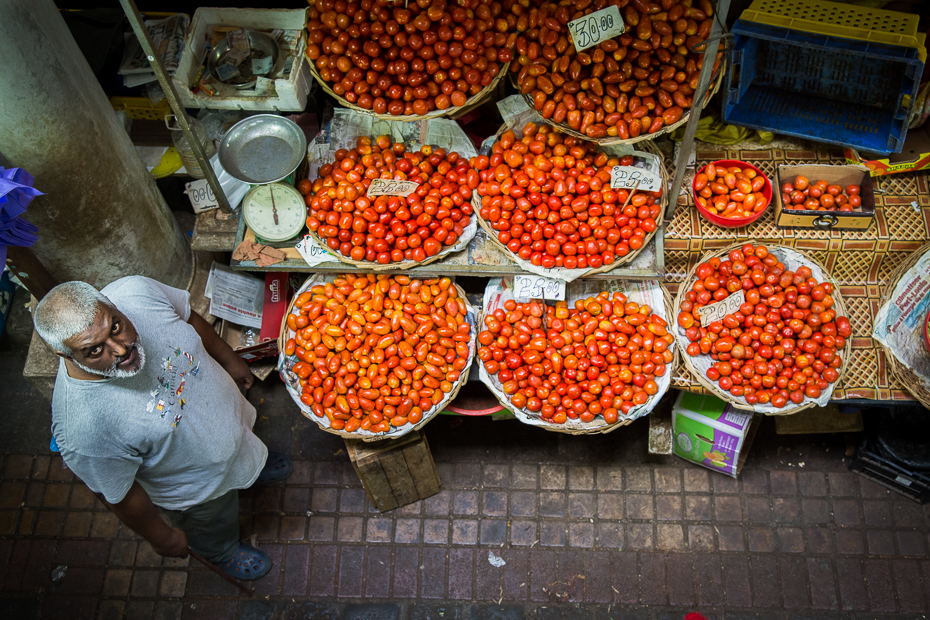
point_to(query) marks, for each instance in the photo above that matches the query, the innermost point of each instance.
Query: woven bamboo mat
(860, 261)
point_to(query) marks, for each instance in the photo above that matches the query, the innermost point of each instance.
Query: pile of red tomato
(390, 229)
(819, 196)
(785, 341)
(599, 358)
(732, 192)
(549, 197)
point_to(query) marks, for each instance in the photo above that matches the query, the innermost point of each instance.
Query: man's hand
(172, 545)
(238, 369)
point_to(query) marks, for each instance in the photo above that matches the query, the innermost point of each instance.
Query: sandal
(277, 468)
(248, 564)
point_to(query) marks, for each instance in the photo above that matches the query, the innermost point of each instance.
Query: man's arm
(139, 514)
(220, 350)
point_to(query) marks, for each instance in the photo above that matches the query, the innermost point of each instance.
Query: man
(147, 411)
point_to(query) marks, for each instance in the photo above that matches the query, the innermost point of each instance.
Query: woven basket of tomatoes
(764, 328)
(589, 364)
(415, 226)
(635, 86)
(410, 61)
(376, 356)
(544, 199)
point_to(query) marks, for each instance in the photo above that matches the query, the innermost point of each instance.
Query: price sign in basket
(590, 30)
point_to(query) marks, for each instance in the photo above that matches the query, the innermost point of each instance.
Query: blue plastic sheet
(16, 192)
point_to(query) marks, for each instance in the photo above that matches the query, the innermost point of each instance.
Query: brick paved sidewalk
(589, 527)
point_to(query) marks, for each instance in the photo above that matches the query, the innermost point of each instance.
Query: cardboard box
(914, 156)
(859, 219)
(711, 433)
(277, 297)
(289, 94)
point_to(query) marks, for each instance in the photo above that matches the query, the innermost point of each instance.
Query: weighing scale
(275, 212)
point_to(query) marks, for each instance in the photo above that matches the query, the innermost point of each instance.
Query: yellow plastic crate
(840, 20)
(141, 108)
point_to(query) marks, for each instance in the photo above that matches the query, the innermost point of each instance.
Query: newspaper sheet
(235, 297)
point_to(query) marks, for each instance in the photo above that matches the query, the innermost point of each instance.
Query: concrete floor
(589, 527)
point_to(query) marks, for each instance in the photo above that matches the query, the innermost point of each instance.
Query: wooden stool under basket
(395, 472)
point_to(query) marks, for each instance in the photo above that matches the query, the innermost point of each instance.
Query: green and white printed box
(709, 432)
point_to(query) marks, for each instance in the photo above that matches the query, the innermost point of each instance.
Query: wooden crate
(395, 472)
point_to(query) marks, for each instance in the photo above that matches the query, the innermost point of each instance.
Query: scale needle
(274, 209)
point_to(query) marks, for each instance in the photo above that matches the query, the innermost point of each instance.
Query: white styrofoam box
(290, 94)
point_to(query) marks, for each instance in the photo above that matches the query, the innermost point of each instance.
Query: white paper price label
(538, 287)
(201, 195)
(599, 26)
(715, 312)
(390, 187)
(313, 252)
(628, 177)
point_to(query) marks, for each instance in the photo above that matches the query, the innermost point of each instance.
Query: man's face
(109, 347)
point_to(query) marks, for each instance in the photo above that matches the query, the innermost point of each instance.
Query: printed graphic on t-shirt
(174, 372)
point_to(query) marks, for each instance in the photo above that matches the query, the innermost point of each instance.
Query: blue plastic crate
(840, 91)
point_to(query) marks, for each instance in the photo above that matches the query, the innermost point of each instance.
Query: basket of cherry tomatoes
(731, 193)
(545, 199)
(763, 327)
(374, 356)
(635, 86)
(410, 61)
(381, 232)
(587, 365)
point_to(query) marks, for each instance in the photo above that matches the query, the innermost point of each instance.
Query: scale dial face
(274, 212)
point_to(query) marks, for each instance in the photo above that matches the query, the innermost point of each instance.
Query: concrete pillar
(103, 217)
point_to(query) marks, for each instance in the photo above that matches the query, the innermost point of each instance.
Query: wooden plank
(422, 469)
(399, 477)
(29, 269)
(373, 478)
(827, 419)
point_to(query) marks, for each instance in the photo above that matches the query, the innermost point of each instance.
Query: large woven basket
(899, 370)
(648, 147)
(291, 381)
(598, 426)
(783, 252)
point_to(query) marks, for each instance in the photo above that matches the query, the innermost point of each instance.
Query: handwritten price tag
(627, 176)
(201, 195)
(389, 187)
(538, 287)
(313, 252)
(715, 312)
(599, 26)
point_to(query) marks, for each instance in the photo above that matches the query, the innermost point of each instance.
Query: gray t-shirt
(180, 427)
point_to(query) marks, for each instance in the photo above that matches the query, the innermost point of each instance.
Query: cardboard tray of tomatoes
(291, 381)
(698, 365)
(649, 292)
(343, 132)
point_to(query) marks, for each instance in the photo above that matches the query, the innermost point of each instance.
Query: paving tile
(812, 483)
(27, 519)
(843, 484)
(496, 475)
(680, 568)
(724, 484)
(270, 584)
(303, 472)
(321, 529)
(794, 584)
(783, 482)
(820, 540)
(872, 490)
(880, 542)
(552, 477)
(351, 572)
(670, 536)
(730, 538)
(571, 565)
(815, 510)
(378, 529)
(324, 500)
(57, 470)
(116, 582)
(736, 580)
(640, 535)
(908, 514)
(849, 542)
(435, 531)
(12, 493)
(846, 512)
(624, 568)
(464, 532)
(353, 500)
(113, 610)
(516, 573)
(698, 507)
(912, 543)
(609, 479)
(407, 531)
(173, 584)
(294, 528)
(597, 577)
(696, 480)
(105, 525)
(438, 505)
(167, 610)
(668, 507)
(493, 531)
(265, 527)
(296, 499)
(349, 529)
(412, 510)
(543, 572)
(790, 539)
(201, 609)
(764, 581)
(465, 503)
(609, 506)
(580, 478)
(461, 573)
(326, 473)
(49, 522)
(432, 573)
(40, 468)
(552, 533)
(786, 510)
(755, 481)
(145, 583)
(879, 583)
(82, 552)
(524, 476)
(552, 504)
(762, 539)
(523, 533)
(582, 505)
(877, 513)
(822, 582)
(653, 579)
(701, 538)
(668, 479)
(640, 507)
(122, 553)
(378, 572)
(609, 535)
(581, 535)
(77, 524)
(35, 493)
(467, 475)
(406, 572)
(494, 503)
(638, 479)
(727, 508)
(908, 586)
(708, 580)
(72, 607)
(18, 465)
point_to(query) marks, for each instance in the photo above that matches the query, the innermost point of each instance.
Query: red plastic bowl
(734, 222)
